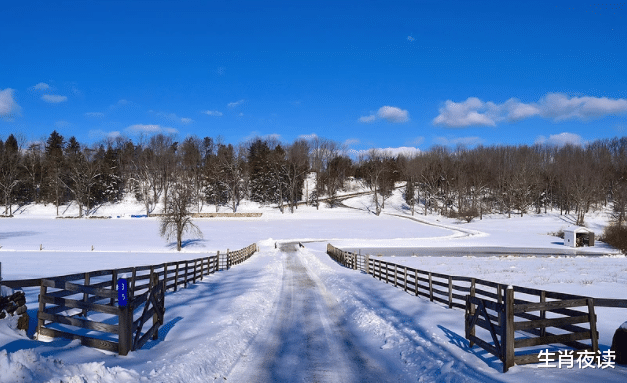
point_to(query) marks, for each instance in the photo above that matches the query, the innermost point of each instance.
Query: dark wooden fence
(498, 310)
(85, 306)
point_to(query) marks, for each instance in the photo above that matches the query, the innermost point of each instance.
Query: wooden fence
(85, 306)
(498, 310)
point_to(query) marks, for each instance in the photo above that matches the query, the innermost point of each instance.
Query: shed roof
(578, 229)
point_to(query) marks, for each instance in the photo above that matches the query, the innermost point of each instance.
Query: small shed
(576, 236)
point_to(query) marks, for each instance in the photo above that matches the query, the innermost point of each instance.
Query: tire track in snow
(307, 341)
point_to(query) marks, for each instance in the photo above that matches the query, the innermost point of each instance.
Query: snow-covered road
(307, 340)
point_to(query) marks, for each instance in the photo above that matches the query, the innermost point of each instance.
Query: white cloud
(393, 114)
(94, 114)
(53, 98)
(389, 113)
(99, 134)
(352, 141)
(559, 107)
(461, 114)
(213, 113)
(41, 86)
(173, 117)
(454, 141)
(8, 107)
(308, 136)
(235, 103)
(149, 129)
(561, 139)
(367, 119)
(555, 106)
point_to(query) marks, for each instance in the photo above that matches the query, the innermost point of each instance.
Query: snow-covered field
(236, 325)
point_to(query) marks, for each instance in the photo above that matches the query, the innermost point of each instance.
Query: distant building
(575, 236)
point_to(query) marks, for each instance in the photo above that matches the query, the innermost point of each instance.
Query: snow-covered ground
(297, 315)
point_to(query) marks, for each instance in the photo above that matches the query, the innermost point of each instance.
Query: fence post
(125, 333)
(450, 292)
(542, 312)
(42, 307)
(405, 279)
(195, 263)
(430, 287)
(154, 281)
(85, 295)
(186, 272)
(499, 299)
(416, 281)
(165, 276)
(395, 275)
(472, 308)
(114, 283)
(367, 258)
(594, 337)
(176, 277)
(508, 329)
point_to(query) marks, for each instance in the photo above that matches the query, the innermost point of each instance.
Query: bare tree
(83, 173)
(298, 166)
(177, 220)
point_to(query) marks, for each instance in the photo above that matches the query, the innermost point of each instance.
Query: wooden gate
(504, 320)
(154, 309)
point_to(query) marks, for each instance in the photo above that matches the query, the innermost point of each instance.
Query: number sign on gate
(122, 292)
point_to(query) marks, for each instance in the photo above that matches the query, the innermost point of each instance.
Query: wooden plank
(494, 306)
(85, 340)
(549, 305)
(562, 296)
(18, 283)
(484, 345)
(440, 284)
(487, 294)
(484, 324)
(604, 302)
(141, 341)
(64, 285)
(551, 322)
(71, 303)
(526, 359)
(565, 327)
(82, 323)
(529, 342)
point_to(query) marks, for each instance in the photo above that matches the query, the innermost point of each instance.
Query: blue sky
(368, 74)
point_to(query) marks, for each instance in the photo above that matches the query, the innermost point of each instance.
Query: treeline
(461, 182)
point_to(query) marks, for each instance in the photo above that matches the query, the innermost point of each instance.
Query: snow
(292, 313)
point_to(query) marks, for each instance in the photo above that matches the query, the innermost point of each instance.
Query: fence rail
(85, 306)
(498, 309)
